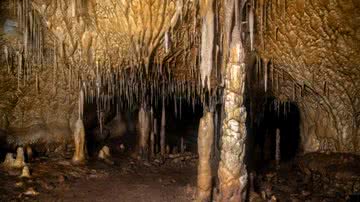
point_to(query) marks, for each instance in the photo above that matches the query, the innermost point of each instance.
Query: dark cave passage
(262, 134)
(121, 126)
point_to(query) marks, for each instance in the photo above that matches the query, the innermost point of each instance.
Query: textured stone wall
(38, 102)
(313, 47)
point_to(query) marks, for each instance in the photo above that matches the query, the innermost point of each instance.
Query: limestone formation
(232, 169)
(104, 154)
(79, 141)
(162, 129)
(9, 161)
(20, 158)
(70, 66)
(205, 144)
(25, 172)
(144, 132)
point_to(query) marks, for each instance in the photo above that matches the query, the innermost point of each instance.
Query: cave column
(232, 170)
(205, 142)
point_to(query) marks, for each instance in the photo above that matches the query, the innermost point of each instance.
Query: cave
(180, 100)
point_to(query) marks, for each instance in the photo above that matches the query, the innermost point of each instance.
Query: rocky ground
(312, 177)
(56, 179)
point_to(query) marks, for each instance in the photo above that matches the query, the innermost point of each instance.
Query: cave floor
(311, 177)
(55, 179)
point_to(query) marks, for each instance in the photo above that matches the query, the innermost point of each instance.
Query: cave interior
(180, 100)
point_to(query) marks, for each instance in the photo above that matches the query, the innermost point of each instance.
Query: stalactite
(265, 74)
(251, 26)
(20, 67)
(207, 41)
(81, 103)
(7, 58)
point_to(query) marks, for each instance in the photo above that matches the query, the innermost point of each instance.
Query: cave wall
(38, 100)
(313, 51)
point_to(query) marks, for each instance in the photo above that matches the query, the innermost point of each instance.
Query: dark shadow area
(262, 134)
(120, 126)
(184, 123)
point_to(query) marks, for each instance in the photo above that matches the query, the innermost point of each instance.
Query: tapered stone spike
(79, 140)
(251, 27)
(205, 142)
(144, 129)
(207, 41)
(265, 74)
(25, 172)
(20, 158)
(9, 160)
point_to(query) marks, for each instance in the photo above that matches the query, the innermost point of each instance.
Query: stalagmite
(79, 133)
(232, 170)
(162, 129)
(144, 129)
(25, 172)
(205, 143)
(9, 161)
(20, 158)
(104, 154)
(79, 140)
(277, 151)
(207, 41)
(152, 134)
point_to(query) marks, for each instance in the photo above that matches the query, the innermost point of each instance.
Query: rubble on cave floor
(57, 179)
(312, 177)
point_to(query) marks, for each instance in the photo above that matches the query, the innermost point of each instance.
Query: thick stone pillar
(144, 129)
(205, 143)
(232, 170)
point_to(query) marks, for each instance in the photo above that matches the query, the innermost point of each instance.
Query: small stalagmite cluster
(265, 81)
